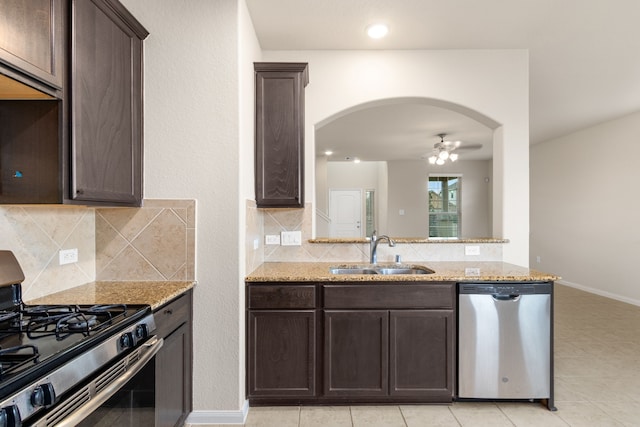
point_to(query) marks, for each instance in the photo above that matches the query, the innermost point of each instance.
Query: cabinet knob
(168, 311)
(79, 191)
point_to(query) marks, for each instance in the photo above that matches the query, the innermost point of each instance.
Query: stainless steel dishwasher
(505, 341)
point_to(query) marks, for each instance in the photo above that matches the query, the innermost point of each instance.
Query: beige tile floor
(597, 363)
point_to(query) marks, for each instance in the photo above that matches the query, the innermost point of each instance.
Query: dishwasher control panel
(505, 288)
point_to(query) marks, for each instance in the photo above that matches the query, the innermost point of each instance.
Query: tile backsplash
(36, 234)
(262, 222)
(155, 242)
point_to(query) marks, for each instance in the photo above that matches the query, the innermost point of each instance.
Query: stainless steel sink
(405, 270)
(353, 270)
(380, 269)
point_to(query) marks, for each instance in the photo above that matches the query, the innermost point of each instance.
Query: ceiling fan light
(439, 161)
(453, 157)
(432, 160)
(444, 155)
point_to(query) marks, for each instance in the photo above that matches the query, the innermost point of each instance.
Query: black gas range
(58, 363)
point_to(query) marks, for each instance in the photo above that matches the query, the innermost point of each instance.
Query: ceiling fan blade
(468, 147)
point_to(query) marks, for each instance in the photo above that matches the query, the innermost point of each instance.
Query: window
(370, 211)
(444, 206)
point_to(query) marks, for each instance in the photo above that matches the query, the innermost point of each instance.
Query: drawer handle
(168, 311)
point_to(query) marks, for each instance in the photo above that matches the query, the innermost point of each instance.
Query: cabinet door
(281, 347)
(173, 378)
(356, 353)
(422, 353)
(32, 38)
(106, 103)
(280, 134)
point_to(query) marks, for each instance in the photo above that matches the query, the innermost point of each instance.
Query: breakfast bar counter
(462, 271)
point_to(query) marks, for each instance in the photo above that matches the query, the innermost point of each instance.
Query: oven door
(123, 394)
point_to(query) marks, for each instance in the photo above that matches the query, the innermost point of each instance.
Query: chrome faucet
(373, 245)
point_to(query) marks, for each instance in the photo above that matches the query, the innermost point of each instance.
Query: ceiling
(584, 54)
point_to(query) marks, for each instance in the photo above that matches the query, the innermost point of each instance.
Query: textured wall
(584, 208)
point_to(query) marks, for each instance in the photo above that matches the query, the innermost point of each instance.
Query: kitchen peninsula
(315, 336)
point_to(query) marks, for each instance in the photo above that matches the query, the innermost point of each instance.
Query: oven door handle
(148, 351)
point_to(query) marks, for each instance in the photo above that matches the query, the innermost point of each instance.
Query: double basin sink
(380, 269)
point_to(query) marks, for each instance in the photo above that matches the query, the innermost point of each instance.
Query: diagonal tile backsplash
(36, 234)
(155, 242)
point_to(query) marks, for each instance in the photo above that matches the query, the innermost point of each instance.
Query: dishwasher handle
(510, 297)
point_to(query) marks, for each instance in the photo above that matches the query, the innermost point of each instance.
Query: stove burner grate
(61, 321)
(13, 358)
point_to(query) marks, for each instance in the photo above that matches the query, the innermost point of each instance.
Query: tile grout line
(404, 420)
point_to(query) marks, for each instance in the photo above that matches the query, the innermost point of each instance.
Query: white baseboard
(600, 292)
(219, 417)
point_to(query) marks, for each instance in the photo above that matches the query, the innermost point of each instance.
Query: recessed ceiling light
(328, 153)
(377, 31)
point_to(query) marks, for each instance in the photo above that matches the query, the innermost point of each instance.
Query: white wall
(198, 144)
(492, 83)
(408, 190)
(585, 205)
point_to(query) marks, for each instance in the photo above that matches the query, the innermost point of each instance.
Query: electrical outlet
(291, 238)
(68, 256)
(472, 271)
(472, 250)
(272, 239)
(538, 259)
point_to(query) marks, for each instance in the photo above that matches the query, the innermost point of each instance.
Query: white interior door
(345, 211)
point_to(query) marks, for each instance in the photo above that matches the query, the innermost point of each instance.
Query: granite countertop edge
(443, 271)
(154, 293)
(365, 240)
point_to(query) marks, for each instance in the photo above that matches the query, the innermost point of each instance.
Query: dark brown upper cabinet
(279, 139)
(105, 122)
(70, 103)
(32, 39)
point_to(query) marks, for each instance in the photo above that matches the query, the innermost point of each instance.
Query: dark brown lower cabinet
(173, 362)
(389, 353)
(421, 353)
(356, 353)
(282, 353)
(350, 343)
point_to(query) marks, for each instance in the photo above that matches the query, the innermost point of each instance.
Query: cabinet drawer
(282, 296)
(170, 316)
(396, 295)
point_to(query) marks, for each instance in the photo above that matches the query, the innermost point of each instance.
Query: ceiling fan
(447, 150)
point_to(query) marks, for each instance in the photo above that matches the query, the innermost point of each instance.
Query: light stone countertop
(444, 271)
(478, 240)
(154, 293)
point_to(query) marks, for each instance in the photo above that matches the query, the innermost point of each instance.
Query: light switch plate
(291, 238)
(472, 250)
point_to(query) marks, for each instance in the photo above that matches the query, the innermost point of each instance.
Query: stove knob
(43, 396)
(142, 331)
(128, 340)
(10, 417)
